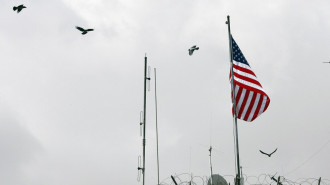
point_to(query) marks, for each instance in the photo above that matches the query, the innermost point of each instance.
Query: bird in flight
(84, 31)
(268, 154)
(18, 8)
(192, 49)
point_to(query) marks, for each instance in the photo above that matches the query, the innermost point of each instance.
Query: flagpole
(238, 173)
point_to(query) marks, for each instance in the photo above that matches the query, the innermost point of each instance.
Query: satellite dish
(217, 180)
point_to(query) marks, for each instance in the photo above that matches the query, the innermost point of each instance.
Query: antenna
(242, 178)
(141, 122)
(210, 150)
(156, 127)
(145, 79)
(148, 78)
(139, 169)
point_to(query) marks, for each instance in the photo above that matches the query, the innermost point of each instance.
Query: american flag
(251, 99)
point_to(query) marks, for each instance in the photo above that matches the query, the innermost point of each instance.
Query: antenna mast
(156, 127)
(143, 121)
(210, 150)
(144, 117)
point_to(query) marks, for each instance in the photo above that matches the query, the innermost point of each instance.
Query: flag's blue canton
(237, 54)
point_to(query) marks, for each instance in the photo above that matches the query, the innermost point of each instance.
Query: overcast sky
(70, 103)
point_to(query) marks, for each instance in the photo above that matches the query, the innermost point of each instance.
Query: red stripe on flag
(247, 92)
(250, 106)
(250, 88)
(267, 103)
(256, 113)
(244, 69)
(238, 96)
(247, 79)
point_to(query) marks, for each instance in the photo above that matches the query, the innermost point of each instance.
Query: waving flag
(251, 99)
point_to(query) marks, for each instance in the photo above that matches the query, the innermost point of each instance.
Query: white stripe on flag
(249, 84)
(240, 100)
(236, 92)
(254, 107)
(263, 105)
(247, 104)
(245, 74)
(240, 64)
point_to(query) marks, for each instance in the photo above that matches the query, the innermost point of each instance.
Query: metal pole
(156, 126)
(144, 118)
(238, 173)
(211, 164)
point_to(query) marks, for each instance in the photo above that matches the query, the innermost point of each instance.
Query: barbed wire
(262, 179)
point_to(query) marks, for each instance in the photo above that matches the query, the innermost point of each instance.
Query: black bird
(83, 30)
(268, 154)
(19, 8)
(192, 49)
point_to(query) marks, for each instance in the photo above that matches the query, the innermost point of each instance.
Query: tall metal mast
(144, 118)
(156, 128)
(238, 173)
(210, 150)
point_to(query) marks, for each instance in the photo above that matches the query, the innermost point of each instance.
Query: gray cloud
(79, 97)
(19, 148)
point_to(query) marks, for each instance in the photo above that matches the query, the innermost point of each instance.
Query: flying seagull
(19, 8)
(83, 30)
(268, 154)
(192, 49)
